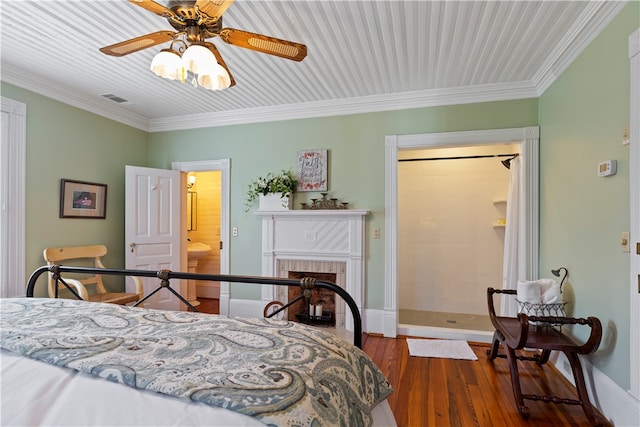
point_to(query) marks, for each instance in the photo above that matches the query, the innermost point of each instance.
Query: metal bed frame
(307, 284)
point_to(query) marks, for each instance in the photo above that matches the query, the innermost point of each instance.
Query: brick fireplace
(315, 241)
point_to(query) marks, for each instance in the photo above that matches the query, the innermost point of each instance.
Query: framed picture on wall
(79, 199)
(312, 170)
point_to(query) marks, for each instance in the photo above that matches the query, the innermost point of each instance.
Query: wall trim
(614, 403)
(634, 214)
(13, 147)
(71, 96)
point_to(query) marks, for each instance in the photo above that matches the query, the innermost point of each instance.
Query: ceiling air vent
(114, 98)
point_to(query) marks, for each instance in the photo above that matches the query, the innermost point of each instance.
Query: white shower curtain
(514, 263)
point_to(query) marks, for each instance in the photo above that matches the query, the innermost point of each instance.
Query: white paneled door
(152, 229)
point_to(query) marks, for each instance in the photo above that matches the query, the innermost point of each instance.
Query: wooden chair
(515, 333)
(80, 255)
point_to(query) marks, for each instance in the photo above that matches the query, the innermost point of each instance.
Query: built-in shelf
(498, 223)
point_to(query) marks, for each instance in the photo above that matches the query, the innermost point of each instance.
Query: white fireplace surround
(325, 236)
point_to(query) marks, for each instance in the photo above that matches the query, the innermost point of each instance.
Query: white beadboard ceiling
(363, 56)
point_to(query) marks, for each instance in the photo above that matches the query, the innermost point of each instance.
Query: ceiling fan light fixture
(215, 78)
(168, 64)
(198, 59)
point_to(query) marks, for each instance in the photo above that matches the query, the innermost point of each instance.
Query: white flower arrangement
(284, 183)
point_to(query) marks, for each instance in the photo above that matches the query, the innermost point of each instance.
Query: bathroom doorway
(451, 231)
(203, 227)
(211, 225)
(527, 141)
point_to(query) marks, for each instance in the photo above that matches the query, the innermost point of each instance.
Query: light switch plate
(624, 242)
(376, 233)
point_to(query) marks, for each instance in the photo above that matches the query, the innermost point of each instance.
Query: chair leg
(581, 387)
(493, 353)
(515, 382)
(544, 357)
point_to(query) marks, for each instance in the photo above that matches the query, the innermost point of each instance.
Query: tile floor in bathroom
(474, 322)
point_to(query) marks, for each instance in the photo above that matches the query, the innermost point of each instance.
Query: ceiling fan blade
(265, 44)
(133, 45)
(216, 53)
(154, 7)
(213, 8)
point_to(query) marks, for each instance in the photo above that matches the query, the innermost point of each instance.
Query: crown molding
(591, 22)
(70, 96)
(338, 107)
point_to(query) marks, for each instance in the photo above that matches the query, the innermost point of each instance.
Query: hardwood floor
(209, 305)
(447, 392)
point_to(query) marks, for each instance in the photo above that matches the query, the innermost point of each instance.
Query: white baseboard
(373, 321)
(246, 308)
(616, 404)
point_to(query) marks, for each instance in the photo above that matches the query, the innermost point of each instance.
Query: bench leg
(493, 353)
(544, 357)
(515, 382)
(581, 387)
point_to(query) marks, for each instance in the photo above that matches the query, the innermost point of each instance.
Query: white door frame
(634, 202)
(13, 178)
(528, 138)
(224, 166)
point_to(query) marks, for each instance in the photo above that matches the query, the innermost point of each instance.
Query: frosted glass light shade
(167, 64)
(214, 78)
(198, 58)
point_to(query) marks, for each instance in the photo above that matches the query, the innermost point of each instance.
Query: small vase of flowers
(273, 191)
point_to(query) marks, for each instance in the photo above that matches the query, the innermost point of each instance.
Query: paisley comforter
(279, 372)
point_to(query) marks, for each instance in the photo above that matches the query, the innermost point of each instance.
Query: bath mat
(444, 349)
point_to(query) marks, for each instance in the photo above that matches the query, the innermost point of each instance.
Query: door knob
(132, 246)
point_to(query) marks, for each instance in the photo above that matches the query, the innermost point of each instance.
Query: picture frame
(80, 199)
(312, 170)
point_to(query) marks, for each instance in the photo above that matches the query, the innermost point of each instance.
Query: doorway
(452, 206)
(212, 189)
(526, 139)
(203, 228)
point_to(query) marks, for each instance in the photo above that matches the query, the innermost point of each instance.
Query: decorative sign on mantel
(325, 203)
(312, 170)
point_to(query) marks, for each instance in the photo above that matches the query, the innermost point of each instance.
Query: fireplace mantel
(316, 235)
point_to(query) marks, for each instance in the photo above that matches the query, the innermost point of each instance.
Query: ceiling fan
(196, 21)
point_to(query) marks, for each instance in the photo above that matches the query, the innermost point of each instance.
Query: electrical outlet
(376, 233)
(234, 231)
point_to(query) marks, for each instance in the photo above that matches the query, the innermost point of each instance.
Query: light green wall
(356, 165)
(582, 117)
(66, 142)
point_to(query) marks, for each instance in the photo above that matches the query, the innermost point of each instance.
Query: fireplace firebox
(321, 308)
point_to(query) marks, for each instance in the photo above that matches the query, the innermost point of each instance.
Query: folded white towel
(529, 291)
(545, 284)
(552, 294)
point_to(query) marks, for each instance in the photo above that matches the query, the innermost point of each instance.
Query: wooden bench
(93, 255)
(545, 335)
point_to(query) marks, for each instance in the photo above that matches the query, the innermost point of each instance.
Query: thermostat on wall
(607, 168)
